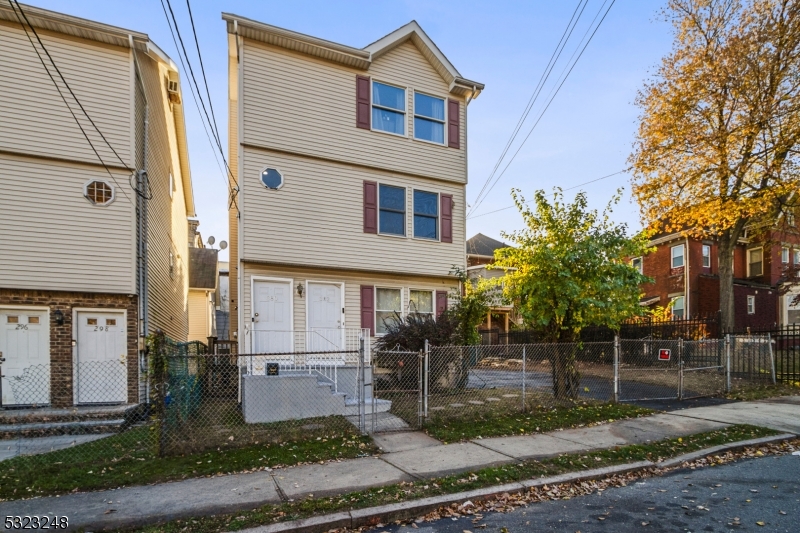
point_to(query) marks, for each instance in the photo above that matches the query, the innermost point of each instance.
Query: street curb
(677, 461)
(385, 514)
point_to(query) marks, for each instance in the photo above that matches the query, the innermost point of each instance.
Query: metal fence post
(427, 379)
(680, 368)
(420, 378)
(616, 369)
(727, 363)
(362, 423)
(771, 359)
(523, 378)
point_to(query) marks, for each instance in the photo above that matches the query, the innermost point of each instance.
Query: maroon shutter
(453, 124)
(362, 102)
(368, 308)
(370, 207)
(441, 302)
(447, 217)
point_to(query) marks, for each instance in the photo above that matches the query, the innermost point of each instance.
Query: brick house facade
(686, 271)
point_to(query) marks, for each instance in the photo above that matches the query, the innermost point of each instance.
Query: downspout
(142, 241)
(686, 284)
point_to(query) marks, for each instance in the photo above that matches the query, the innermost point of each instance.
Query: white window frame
(749, 251)
(673, 256)
(376, 310)
(433, 302)
(414, 115)
(704, 249)
(785, 255)
(682, 298)
(171, 185)
(751, 304)
(105, 204)
(405, 212)
(405, 107)
(640, 268)
(438, 216)
(276, 169)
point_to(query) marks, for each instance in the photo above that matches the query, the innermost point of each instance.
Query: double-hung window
(755, 262)
(421, 303)
(426, 215)
(751, 305)
(677, 256)
(388, 306)
(706, 256)
(785, 255)
(429, 118)
(678, 311)
(392, 207)
(636, 263)
(388, 108)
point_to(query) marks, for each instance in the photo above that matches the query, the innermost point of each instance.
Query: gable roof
(360, 58)
(484, 246)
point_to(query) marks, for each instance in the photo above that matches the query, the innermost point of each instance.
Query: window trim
(682, 256)
(433, 301)
(405, 212)
(414, 115)
(105, 204)
(682, 298)
(279, 171)
(372, 105)
(640, 268)
(375, 309)
(749, 251)
(438, 216)
(751, 304)
(704, 256)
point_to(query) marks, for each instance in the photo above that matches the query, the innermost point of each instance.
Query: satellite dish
(211, 240)
(223, 245)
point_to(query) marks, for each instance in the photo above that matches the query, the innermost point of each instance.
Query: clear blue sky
(585, 134)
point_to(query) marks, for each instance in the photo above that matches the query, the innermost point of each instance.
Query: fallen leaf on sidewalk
(760, 523)
(110, 511)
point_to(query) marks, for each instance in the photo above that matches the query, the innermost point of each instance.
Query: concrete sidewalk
(407, 456)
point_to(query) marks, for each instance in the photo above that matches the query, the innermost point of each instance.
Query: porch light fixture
(300, 290)
(58, 316)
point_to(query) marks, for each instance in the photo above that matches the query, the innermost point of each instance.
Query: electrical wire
(554, 57)
(195, 97)
(63, 98)
(554, 92)
(564, 190)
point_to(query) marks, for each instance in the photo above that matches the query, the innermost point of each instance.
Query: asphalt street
(751, 495)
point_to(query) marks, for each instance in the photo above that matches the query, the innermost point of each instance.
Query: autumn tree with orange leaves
(717, 147)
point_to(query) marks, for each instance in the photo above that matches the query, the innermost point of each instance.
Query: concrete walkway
(407, 456)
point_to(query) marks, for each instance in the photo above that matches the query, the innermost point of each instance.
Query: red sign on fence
(664, 354)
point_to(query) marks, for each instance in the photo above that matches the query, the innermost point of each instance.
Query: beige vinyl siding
(233, 161)
(167, 224)
(316, 218)
(352, 284)
(199, 316)
(53, 238)
(305, 105)
(33, 118)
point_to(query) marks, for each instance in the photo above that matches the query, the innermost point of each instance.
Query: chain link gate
(397, 390)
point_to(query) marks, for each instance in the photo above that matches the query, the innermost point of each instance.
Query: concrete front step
(381, 406)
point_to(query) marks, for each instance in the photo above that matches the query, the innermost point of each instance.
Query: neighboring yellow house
(94, 245)
(351, 170)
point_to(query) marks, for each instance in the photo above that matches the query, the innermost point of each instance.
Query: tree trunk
(727, 243)
(566, 378)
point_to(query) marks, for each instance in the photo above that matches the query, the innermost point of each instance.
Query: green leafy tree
(568, 269)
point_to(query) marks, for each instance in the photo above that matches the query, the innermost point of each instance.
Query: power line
(554, 92)
(564, 190)
(195, 97)
(63, 98)
(554, 57)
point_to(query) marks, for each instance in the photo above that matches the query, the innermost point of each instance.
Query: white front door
(325, 318)
(101, 365)
(272, 317)
(25, 346)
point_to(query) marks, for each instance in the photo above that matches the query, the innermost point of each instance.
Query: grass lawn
(758, 392)
(494, 421)
(129, 458)
(268, 514)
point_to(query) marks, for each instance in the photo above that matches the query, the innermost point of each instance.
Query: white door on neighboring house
(25, 346)
(101, 360)
(325, 321)
(272, 319)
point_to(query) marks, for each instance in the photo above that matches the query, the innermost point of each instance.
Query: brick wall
(61, 350)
